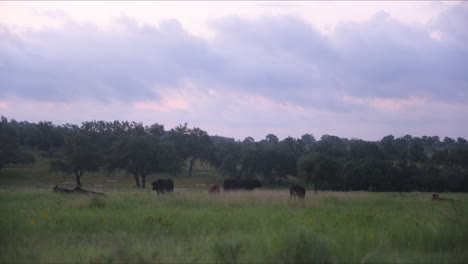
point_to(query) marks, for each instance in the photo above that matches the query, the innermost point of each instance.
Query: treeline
(392, 164)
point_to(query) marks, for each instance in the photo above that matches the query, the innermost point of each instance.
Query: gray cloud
(282, 58)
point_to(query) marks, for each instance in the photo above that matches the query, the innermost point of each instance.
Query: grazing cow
(163, 186)
(214, 188)
(435, 197)
(231, 184)
(297, 191)
(250, 184)
(236, 184)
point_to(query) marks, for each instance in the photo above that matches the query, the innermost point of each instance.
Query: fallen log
(77, 189)
(57, 189)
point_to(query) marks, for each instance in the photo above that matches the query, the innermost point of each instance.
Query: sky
(237, 69)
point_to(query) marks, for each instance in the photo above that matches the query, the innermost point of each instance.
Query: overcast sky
(237, 69)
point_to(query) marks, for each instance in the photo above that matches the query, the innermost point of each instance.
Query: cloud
(82, 61)
(274, 72)
(383, 57)
(3, 105)
(282, 58)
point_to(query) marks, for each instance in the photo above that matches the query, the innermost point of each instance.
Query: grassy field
(262, 226)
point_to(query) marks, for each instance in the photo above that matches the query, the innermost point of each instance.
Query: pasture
(261, 226)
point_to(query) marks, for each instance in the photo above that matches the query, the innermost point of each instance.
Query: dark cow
(214, 188)
(250, 184)
(297, 191)
(231, 184)
(435, 197)
(163, 186)
(236, 184)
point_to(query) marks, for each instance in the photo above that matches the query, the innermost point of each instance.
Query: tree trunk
(315, 186)
(78, 177)
(192, 163)
(143, 181)
(137, 180)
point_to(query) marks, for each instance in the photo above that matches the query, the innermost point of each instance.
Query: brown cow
(214, 188)
(435, 197)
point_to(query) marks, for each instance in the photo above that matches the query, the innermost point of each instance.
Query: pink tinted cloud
(167, 104)
(267, 104)
(190, 95)
(3, 105)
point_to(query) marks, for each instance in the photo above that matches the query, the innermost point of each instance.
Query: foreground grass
(260, 226)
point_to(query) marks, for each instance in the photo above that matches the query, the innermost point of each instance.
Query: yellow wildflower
(371, 236)
(311, 220)
(45, 213)
(32, 222)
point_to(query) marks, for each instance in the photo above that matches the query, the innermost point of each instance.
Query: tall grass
(262, 226)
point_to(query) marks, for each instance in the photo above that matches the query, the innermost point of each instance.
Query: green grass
(263, 226)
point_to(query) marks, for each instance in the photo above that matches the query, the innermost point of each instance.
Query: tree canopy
(406, 163)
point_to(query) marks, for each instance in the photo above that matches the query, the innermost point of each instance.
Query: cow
(236, 184)
(231, 184)
(250, 184)
(214, 188)
(435, 197)
(297, 192)
(163, 186)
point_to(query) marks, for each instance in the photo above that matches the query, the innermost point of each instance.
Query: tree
(248, 141)
(448, 142)
(416, 151)
(81, 155)
(156, 130)
(388, 146)
(308, 139)
(226, 158)
(272, 139)
(135, 154)
(318, 169)
(142, 155)
(332, 146)
(360, 149)
(9, 147)
(192, 144)
(48, 135)
(168, 158)
(369, 174)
